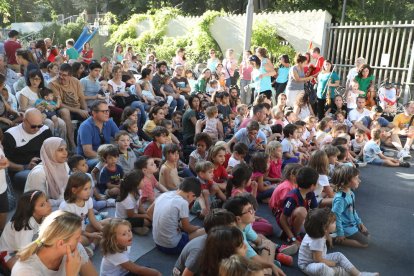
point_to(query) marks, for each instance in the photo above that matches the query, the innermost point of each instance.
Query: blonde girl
(324, 193)
(217, 156)
(31, 209)
(78, 201)
(274, 167)
(238, 265)
(56, 251)
(117, 239)
(213, 125)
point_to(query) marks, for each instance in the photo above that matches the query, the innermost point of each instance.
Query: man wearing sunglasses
(73, 105)
(95, 131)
(22, 145)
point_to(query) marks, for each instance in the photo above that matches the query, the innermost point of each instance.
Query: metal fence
(388, 48)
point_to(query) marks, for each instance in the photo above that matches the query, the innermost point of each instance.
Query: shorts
(377, 161)
(176, 250)
(4, 202)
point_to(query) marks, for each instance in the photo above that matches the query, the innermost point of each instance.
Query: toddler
(240, 151)
(242, 112)
(48, 106)
(213, 126)
(147, 94)
(358, 144)
(203, 142)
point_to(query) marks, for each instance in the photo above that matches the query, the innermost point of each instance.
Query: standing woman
(179, 58)
(56, 251)
(246, 75)
(230, 67)
(296, 80)
(282, 75)
(213, 61)
(326, 87)
(87, 53)
(267, 70)
(118, 56)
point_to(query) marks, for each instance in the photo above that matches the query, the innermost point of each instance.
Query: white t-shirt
(233, 162)
(12, 240)
(34, 266)
(127, 204)
(117, 88)
(287, 146)
(75, 209)
(351, 100)
(352, 74)
(308, 245)
(111, 264)
(323, 181)
(355, 115)
(30, 95)
(3, 182)
(169, 209)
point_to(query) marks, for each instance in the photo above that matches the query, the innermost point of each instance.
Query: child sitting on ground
(213, 126)
(274, 171)
(357, 144)
(373, 154)
(217, 156)
(127, 157)
(289, 153)
(169, 170)
(240, 151)
(209, 189)
(169, 126)
(111, 174)
(323, 192)
(259, 163)
(297, 204)
(242, 111)
(332, 152)
(154, 149)
(313, 259)
(342, 157)
(136, 144)
(225, 112)
(203, 142)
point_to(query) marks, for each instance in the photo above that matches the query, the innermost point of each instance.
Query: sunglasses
(36, 126)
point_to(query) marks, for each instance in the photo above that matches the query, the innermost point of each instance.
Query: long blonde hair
(109, 244)
(59, 225)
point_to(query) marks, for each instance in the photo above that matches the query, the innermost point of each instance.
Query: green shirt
(322, 81)
(72, 53)
(364, 84)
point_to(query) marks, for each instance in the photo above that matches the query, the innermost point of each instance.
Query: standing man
(73, 105)
(22, 145)
(95, 131)
(10, 47)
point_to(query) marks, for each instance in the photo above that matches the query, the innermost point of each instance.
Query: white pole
(249, 23)
(409, 75)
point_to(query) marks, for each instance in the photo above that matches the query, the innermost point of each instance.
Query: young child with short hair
(313, 259)
(154, 149)
(148, 96)
(225, 112)
(149, 169)
(203, 142)
(297, 203)
(48, 107)
(127, 156)
(168, 124)
(373, 154)
(240, 150)
(169, 170)
(288, 150)
(209, 189)
(342, 157)
(131, 126)
(242, 112)
(332, 152)
(357, 144)
(115, 244)
(111, 174)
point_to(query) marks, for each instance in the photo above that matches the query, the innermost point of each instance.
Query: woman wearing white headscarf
(52, 174)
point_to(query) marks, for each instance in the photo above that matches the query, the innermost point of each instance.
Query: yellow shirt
(149, 127)
(401, 121)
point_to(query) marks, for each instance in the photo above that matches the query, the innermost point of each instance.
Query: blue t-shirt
(265, 82)
(371, 151)
(282, 74)
(322, 81)
(242, 136)
(366, 121)
(88, 134)
(90, 88)
(107, 176)
(249, 235)
(294, 199)
(347, 219)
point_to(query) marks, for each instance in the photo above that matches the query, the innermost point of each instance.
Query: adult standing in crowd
(327, 82)
(179, 58)
(118, 55)
(52, 174)
(87, 53)
(230, 67)
(282, 75)
(40, 51)
(319, 61)
(22, 145)
(95, 131)
(365, 79)
(297, 79)
(73, 106)
(10, 47)
(213, 61)
(245, 76)
(267, 70)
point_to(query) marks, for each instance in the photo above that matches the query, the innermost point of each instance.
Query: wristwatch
(293, 239)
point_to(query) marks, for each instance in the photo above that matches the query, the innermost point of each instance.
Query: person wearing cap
(10, 47)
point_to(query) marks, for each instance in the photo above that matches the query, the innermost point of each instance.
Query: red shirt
(152, 150)
(318, 65)
(220, 174)
(277, 199)
(275, 169)
(88, 55)
(10, 48)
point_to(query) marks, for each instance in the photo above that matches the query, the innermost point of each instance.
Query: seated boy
(289, 154)
(297, 203)
(171, 227)
(240, 151)
(154, 149)
(111, 174)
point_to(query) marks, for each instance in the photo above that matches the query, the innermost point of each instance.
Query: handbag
(123, 102)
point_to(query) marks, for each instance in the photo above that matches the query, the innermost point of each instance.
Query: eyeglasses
(36, 126)
(106, 111)
(36, 79)
(63, 75)
(251, 211)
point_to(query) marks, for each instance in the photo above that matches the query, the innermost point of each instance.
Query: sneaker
(361, 164)
(288, 249)
(369, 274)
(405, 164)
(110, 202)
(284, 259)
(404, 154)
(140, 231)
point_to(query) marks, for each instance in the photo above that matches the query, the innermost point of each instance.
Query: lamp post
(249, 23)
(343, 12)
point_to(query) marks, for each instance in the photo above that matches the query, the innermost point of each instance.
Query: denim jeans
(19, 180)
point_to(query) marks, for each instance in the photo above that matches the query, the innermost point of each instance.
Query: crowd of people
(160, 140)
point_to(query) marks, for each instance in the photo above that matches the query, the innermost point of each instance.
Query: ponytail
(240, 176)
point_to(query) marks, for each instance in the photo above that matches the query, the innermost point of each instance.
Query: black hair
(43, 65)
(73, 161)
(191, 184)
(218, 217)
(259, 162)
(159, 131)
(307, 177)
(161, 63)
(276, 128)
(75, 67)
(65, 67)
(130, 184)
(69, 42)
(43, 92)
(111, 152)
(154, 111)
(289, 129)
(339, 141)
(145, 72)
(35, 73)
(24, 210)
(170, 148)
(285, 59)
(241, 174)
(76, 180)
(202, 136)
(93, 65)
(342, 152)
(13, 33)
(236, 205)
(141, 162)
(317, 221)
(240, 148)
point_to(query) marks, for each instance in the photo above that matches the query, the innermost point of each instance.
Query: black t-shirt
(180, 82)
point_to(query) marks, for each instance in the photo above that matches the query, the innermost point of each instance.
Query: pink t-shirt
(278, 196)
(246, 70)
(147, 191)
(275, 168)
